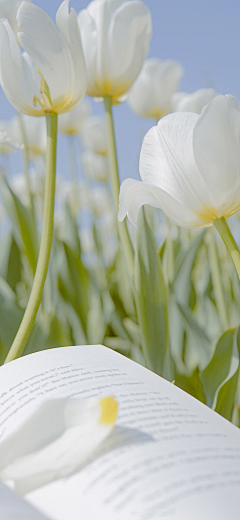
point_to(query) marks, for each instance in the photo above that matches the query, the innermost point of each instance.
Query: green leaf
(74, 283)
(48, 332)
(10, 318)
(22, 222)
(219, 378)
(10, 260)
(200, 346)
(191, 384)
(71, 230)
(151, 297)
(124, 284)
(96, 326)
(182, 280)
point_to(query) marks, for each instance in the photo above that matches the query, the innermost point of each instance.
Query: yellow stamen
(109, 410)
(37, 100)
(41, 86)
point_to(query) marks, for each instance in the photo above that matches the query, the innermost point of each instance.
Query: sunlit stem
(26, 169)
(225, 233)
(216, 280)
(114, 175)
(45, 245)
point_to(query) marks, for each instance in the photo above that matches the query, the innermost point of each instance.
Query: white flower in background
(94, 135)
(18, 184)
(8, 9)
(115, 36)
(51, 75)
(66, 192)
(100, 199)
(59, 436)
(9, 138)
(71, 122)
(194, 102)
(95, 166)
(190, 166)
(35, 134)
(150, 95)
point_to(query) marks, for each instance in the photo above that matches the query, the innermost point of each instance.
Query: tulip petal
(167, 161)
(128, 44)
(216, 146)
(41, 40)
(18, 79)
(63, 434)
(194, 102)
(150, 95)
(68, 26)
(88, 31)
(134, 194)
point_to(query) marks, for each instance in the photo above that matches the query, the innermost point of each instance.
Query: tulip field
(149, 268)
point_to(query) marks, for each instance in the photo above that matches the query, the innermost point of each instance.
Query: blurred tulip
(95, 166)
(100, 200)
(35, 134)
(194, 102)
(9, 136)
(115, 36)
(18, 184)
(52, 66)
(72, 122)
(59, 436)
(8, 9)
(150, 95)
(190, 166)
(94, 135)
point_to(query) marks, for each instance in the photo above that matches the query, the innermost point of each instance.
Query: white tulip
(194, 102)
(55, 441)
(115, 36)
(8, 9)
(9, 136)
(150, 95)
(100, 199)
(51, 75)
(94, 135)
(35, 134)
(190, 166)
(95, 166)
(72, 122)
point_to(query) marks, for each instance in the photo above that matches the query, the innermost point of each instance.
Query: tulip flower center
(46, 102)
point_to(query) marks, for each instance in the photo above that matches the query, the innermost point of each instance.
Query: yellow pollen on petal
(207, 213)
(156, 113)
(109, 409)
(109, 88)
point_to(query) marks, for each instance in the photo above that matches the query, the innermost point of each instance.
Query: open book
(169, 456)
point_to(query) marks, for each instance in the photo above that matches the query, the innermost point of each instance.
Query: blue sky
(204, 35)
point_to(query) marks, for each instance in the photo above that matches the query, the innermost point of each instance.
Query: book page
(168, 457)
(13, 507)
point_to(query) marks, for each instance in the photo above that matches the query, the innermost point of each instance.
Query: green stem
(216, 280)
(73, 173)
(122, 226)
(170, 253)
(26, 168)
(27, 323)
(225, 233)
